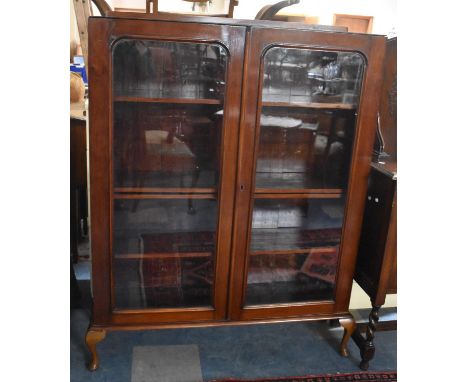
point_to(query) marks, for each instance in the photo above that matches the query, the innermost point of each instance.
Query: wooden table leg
(366, 344)
(368, 351)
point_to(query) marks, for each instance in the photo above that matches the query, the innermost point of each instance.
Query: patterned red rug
(347, 377)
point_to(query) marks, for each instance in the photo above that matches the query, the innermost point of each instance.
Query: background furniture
(78, 177)
(268, 12)
(376, 268)
(152, 7)
(354, 23)
(78, 191)
(228, 170)
(83, 11)
(386, 138)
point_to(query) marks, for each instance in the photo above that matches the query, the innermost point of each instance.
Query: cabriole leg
(93, 336)
(349, 326)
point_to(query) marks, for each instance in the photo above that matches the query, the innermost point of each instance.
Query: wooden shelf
(165, 196)
(185, 101)
(308, 193)
(169, 255)
(258, 194)
(311, 105)
(182, 255)
(164, 190)
(330, 249)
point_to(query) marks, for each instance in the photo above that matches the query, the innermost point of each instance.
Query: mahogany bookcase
(228, 166)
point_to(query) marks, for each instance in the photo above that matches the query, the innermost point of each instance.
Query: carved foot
(367, 353)
(364, 365)
(349, 326)
(93, 336)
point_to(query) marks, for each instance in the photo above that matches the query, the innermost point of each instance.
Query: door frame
(258, 41)
(104, 32)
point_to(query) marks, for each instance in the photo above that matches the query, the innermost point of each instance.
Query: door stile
(229, 149)
(99, 158)
(360, 168)
(244, 183)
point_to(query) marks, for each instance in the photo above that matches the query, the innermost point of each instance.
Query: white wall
(360, 300)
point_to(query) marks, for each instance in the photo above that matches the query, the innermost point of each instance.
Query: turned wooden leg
(93, 336)
(368, 348)
(349, 326)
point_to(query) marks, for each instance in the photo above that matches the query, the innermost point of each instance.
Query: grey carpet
(175, 363)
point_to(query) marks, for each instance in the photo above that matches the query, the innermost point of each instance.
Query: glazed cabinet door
(306, 138)
(163, 155)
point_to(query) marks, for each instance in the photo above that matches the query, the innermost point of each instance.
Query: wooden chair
(83, 10)
(152, 7)
(268, 12)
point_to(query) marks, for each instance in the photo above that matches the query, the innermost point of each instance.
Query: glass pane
(308, 118)
(166, 146)
(301, 149)
(168, 119)
(164, 252)
(168, 114)
(294, 250)
(307, 129)
(306, 76)
(166, 69)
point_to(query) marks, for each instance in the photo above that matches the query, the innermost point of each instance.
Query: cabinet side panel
(388, 100)
(388, 276)
(374, 231)
(99, 152)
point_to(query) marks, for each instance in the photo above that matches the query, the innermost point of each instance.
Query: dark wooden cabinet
(377, 256)
(228, 170)
(376, 268)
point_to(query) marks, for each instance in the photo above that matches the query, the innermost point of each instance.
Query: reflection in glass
(302, 149)
(307, 76)
(163, 252)
(168, 103)
(157, 69)
(293, 250)
(157, 145)
(308, 118)
(286, 278)
(307, 130)
(167, 125)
